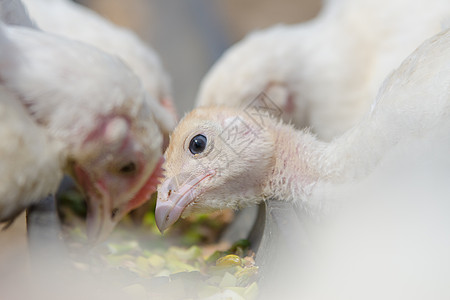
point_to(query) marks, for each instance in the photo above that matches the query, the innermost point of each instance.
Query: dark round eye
(197, 144)
(128, 168)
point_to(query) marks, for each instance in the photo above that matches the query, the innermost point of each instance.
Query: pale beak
(100, 222)
(174, 196)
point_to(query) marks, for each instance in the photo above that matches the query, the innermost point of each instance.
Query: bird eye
(197, 144)
(128, 168)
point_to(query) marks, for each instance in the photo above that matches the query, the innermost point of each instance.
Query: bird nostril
(169, 193)
(114, 212)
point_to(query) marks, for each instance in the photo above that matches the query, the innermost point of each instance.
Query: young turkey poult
(221, 158)
(324, 74)
(97, 108)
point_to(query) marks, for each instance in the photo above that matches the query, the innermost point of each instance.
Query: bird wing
(30, 167)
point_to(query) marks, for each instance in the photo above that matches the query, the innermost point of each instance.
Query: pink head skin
(118, 169)
(217, 158)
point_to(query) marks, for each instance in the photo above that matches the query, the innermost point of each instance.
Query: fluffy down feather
(324, 74)
(31, 162)
(66, 18)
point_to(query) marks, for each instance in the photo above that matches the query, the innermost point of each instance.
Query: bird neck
(304, 167)
(296, 167)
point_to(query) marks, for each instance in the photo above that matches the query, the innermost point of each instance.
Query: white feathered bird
(77, 22)
(97, 108)
(324, 73)
(222, 158)
(31, 162)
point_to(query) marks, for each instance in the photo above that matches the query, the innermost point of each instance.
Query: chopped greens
(185, 263)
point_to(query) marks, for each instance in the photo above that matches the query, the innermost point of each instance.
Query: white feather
(31, 162)
(331, 66)
(74, 21)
